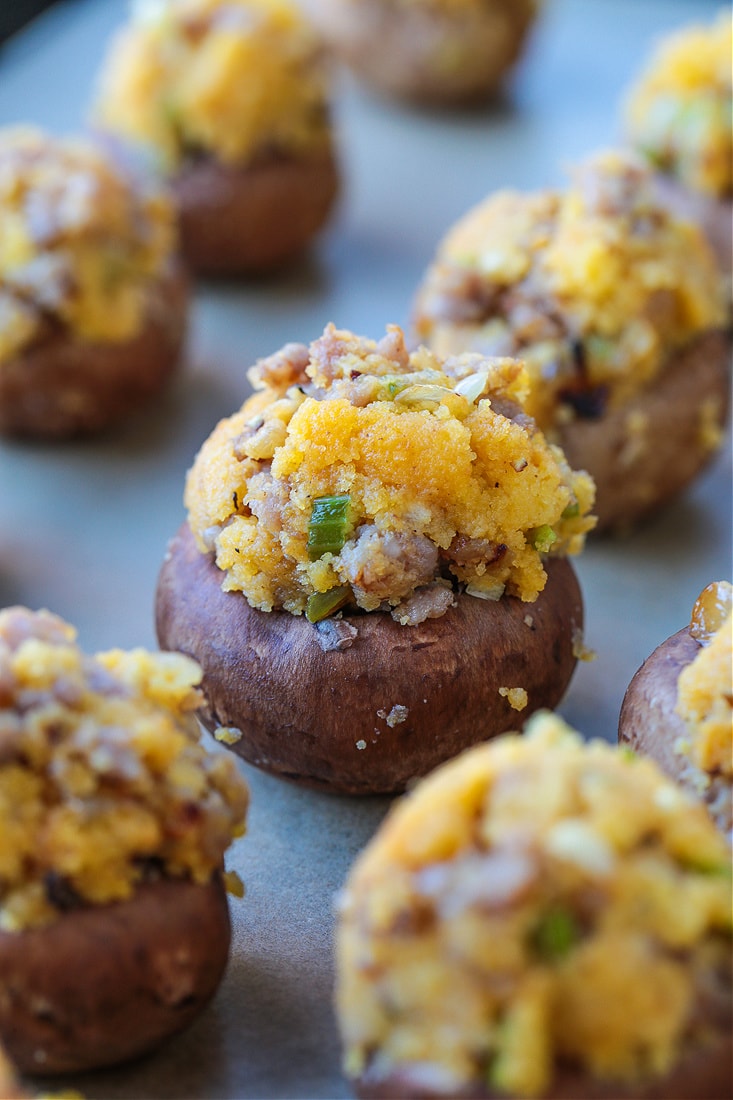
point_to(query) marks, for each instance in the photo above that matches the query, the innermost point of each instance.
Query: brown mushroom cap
(649, 722)
(325, 717)
(62, 386)
(636, 474)
(103, 984)
(251, 218)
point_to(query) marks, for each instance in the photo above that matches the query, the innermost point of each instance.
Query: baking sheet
(83, 526)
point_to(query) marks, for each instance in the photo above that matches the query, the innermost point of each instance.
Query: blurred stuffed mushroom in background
(679, 115)
(435, 52)
(618, 309)
(230, 100)
(114, 821)
(678, 708)
(93, 299)
(374, 572)
(541, 917)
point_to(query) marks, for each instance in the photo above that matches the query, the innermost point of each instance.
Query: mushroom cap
(391, 704)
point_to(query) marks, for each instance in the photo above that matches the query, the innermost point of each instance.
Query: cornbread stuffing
(427, 51)
(537, 903)
(679, 113)
(594, 287)
(363, 474)
(705, 687)
(103, 782)
(79, 242)
(230, 78)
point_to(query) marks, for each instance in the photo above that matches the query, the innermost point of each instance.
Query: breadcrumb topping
(434, 476)
(679, 111)
(705, 686)
(232, 78)
(103, 781)
(537, 902)
(595, 287)
(80, 242)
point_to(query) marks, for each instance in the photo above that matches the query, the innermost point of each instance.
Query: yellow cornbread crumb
(594, 287)
(102, 778)
(536, 902)
(705, 689)
(516, 697)
(436, 480)
(233, 78)
(679, 112)
(79, 242)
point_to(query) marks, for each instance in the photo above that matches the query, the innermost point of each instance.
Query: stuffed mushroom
(114, 922)
(678, 708)
(230, 100)
(618, 309)
(374, 570)
(436, 52)
(93, 300)
(541, 917)
(679, 116)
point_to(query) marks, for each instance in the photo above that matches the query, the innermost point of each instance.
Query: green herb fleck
(555, 934)
(322, 604)
(328, 526)
(541, 538)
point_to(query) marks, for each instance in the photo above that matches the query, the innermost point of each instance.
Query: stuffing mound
(705, 691)
(228, 78)
(594, 287)
(103, 782)
(679, 113)
(80, 243)
(362, 473)
(537, 903)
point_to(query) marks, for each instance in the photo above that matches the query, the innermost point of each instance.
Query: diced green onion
(542, 537)
(707, 867)
(322, 604)
(571, 511)
(328, 526)
(555, 934)
(473, 386)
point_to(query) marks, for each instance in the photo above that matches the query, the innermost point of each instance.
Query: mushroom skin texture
(439, 55)
(231, 216)
(326, 718)
(61, 386)
(106, 983)
(649, 722)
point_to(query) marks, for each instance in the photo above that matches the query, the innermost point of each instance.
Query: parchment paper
(83, 527)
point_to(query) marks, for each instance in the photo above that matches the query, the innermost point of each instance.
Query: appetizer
(114, 923)
(541, 917)
(436, 52)
(618, 309)
(374, 571)
(678, 116)
(92, 299)
(230, 100)
(678, 708)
